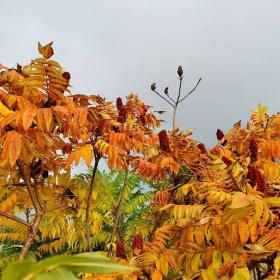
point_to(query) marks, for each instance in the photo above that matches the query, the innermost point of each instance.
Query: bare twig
(163, 98)
(199, 80)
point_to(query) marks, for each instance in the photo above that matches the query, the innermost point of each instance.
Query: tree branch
(89, 199)
(119, 210)
(15, 218)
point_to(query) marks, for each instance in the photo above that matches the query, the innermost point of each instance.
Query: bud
(166, 90)
(180, 71)
(153, 87)
(220, 135)
(163, 141)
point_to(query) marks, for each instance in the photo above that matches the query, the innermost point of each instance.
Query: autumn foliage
(209, 213)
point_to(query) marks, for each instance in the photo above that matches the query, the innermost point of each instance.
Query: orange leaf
(80, 116)
(164, 265)
(27, 117)
(44, 117)
(23, 103)
(46, 51)
(12, 147)
(243, 230)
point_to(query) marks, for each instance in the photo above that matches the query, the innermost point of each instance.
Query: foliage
(63, 267)
(67, 232)
(167, 205)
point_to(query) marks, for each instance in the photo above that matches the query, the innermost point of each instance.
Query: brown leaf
(46, 51)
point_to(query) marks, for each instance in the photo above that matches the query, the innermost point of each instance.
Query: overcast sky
(115, 47)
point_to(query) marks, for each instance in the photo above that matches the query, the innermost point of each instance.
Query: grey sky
(114, 47)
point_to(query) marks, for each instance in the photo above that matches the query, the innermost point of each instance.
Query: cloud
(114, 47)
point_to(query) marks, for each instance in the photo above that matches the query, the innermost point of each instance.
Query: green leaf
(86, 262)
(17, 270)
(57, 274)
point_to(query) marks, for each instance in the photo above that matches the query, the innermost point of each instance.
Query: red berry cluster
(120, 250)
(122, 111)
(253, 147)
(220, 135)
(202, 148)
(137, 243)
(257, 179)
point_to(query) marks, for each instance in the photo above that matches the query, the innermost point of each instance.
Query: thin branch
(15, 218)
(31, 235)
(28, 183)
(38, 198)
(119, 210)
(89, 199)
(173, 100)
(179, 93)
(164, 98)
(14, 185)
(191, 91)
(27, 213)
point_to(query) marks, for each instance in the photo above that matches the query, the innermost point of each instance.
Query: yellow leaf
(156, 275)
(94, 195)
(85, 152)
(273, 201)
(4, 111)
(240, 200)
(217, 260)
(241, 274)
(195, 263)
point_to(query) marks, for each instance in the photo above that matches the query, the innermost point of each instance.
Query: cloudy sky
(113, 47)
